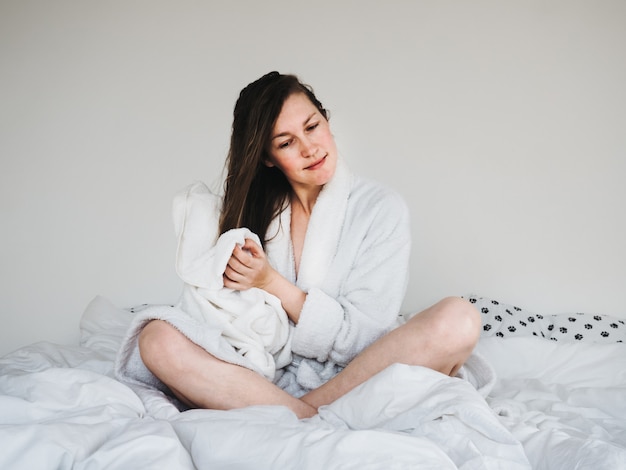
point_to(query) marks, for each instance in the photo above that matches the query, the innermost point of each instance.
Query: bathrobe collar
(322, 235)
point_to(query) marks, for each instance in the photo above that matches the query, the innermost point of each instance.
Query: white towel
(247, 328)
(252, 321)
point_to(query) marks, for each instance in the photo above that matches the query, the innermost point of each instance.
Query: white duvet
(554, 406)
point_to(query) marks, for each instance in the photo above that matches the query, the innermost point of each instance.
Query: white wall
(502, 123)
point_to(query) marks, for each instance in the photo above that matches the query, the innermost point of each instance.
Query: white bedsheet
(566, 402)
(553, 405)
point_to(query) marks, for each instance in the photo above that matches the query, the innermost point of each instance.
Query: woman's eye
(284, 145)
(312, 127)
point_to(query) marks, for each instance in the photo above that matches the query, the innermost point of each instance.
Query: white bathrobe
(354, 268)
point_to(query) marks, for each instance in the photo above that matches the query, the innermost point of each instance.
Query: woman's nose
(308, 147)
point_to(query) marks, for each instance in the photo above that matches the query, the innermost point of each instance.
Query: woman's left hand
(248, 267)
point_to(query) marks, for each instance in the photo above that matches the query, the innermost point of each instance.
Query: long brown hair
(253, 192)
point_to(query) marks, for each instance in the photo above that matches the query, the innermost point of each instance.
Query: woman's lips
(317, 164)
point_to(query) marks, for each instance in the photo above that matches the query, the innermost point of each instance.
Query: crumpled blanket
(446, 412)
(248, 328)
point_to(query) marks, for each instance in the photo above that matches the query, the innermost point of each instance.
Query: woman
(335, 251)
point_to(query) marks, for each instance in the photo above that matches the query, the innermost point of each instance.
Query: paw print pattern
(588, 328)
(502, 321)
(138, 308)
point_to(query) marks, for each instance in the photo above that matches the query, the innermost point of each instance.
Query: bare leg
(441, 338)
(199, 379)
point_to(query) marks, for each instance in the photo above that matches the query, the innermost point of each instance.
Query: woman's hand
(248, 267)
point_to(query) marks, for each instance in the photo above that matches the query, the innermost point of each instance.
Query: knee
(156, 342)
(453, 320)
(458, 318)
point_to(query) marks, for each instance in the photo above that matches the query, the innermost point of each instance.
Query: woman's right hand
(249, 267)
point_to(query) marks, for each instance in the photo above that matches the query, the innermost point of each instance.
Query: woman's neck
(303, 200)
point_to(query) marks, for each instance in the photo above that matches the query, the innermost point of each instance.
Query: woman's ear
(268, 163)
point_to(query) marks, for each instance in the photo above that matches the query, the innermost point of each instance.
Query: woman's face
(301, 144)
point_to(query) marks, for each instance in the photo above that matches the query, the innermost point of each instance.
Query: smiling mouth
(317, 164)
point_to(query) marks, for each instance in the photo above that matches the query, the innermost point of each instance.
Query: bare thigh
(201, 380)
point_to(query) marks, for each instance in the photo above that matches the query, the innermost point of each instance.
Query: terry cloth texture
(248, 328)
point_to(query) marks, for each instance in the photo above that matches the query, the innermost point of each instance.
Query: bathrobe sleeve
(362, 294)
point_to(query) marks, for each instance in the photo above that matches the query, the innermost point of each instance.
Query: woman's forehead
(297, 110)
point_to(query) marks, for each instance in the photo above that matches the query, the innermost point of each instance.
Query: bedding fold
(562, 402)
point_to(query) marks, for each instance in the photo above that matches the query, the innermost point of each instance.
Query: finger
(237, 271)
(252, 247)
(234, 279)
(237, 266)
(242, 255)
(231, 284)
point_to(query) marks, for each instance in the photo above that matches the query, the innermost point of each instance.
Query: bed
(558, 402)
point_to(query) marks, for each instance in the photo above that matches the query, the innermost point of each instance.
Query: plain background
(503, 124)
